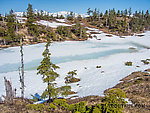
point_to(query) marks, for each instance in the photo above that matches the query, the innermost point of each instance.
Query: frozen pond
(110, 53)
(62, 52)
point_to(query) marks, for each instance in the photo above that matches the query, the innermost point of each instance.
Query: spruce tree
(130, 12)
(89, 11)
(48, 71)
(125, 12)
(1, 18)
(41, 12)
(78, 30)
(72, 73)
(30, 13)
(122, 14)
(101, 14)
(106, 15)
(142, 14)
(118, 13)
(24, 15)
(11, 26)
(32, 28)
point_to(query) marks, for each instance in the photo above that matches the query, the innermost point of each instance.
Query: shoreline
(7, 46)
(104, 30)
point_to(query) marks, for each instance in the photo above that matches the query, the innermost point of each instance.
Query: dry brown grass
(137, 88)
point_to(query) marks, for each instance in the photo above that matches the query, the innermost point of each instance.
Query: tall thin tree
(48, 71)
(21, 75)
(22, 69)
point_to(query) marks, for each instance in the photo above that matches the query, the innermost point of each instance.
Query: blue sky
(79, 6)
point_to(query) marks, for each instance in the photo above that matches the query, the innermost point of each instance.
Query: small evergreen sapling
(70, 77)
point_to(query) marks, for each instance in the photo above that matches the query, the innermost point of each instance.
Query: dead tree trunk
(22, 70)
(81, 32)
(128, 27)
(22, 65)
(9, 92)
(1, 101)
(4, 42)
(106, 21)
(3, 19)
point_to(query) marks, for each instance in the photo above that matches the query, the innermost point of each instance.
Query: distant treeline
(117, 22)
(120, 21)
(10, 28)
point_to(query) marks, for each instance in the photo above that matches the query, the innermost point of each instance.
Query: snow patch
(52, 24)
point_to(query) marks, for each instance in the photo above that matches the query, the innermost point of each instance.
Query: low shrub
(95, 36)
(39, 107)
(148, 59)
(95, 32)
(132, 48)
(31, 106)
(97, 109)
(145, 62)
(78, 108)
(112, 97)
(137, 81)
(109, 35)
(51, 107)
(72, 80)
(62, 103)
(98, 66)
(128, 63)
(90, 36)
(140, 79)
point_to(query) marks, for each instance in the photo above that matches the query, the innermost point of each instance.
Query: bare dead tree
(128, 27)
(1, 101)
(81, 32)
(9, 91)
(3, 19)
(21, 75)
(22, 70)
(106, 21)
